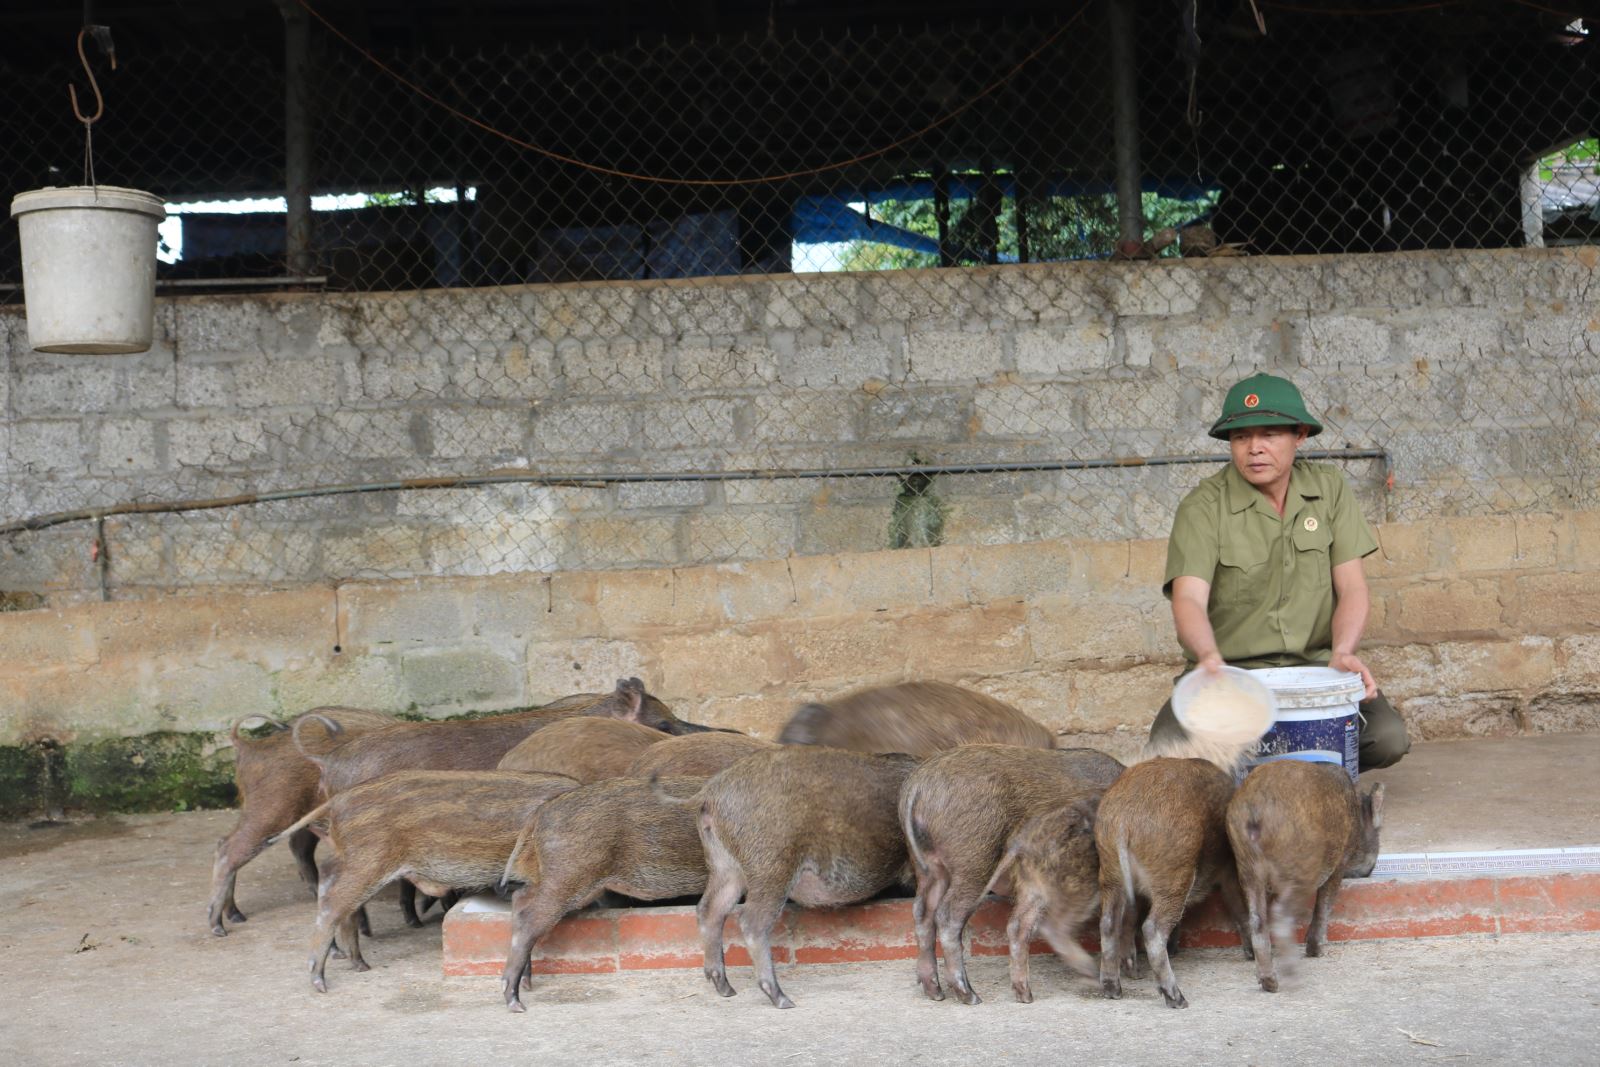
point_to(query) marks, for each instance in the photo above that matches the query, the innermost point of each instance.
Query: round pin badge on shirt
(1311, 523)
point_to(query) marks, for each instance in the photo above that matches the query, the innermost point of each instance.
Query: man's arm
(1351, 604)
(1189, 598)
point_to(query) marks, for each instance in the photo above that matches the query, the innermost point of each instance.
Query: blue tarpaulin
(830, 217)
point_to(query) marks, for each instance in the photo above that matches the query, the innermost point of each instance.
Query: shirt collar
(1241, 494)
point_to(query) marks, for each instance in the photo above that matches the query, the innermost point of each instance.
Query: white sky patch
(171, 229)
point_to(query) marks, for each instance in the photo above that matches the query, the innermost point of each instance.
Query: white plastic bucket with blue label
(1317, 720)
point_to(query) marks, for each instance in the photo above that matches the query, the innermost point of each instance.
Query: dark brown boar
(957, 812)
(476, 744)
(442, 830)
(616, 835)
(1162, 836)
(817, 826)
(695, 756)
(277, 784)
(585, 748)
(918, 718)
(1297, 830)
(1054, 871)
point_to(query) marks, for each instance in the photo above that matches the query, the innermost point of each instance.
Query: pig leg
(1130, 944)
(723, 889)
(1260, 933)
(933, 882)
(535, 910)
(234, 851)
(408, 904)
(1116, 920)
(1025, 915)
(961, 899)
(1166, 908)
(223, 875)
(1233, 900)
(338, 897)
(303, 847)
(350, 936)
(762, 908)
(1317, 934)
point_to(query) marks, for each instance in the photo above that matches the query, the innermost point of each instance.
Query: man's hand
(1212, 665)
(1347, 661)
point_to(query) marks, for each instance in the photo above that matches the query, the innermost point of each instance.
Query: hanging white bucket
(89, 267)
(1317, 718)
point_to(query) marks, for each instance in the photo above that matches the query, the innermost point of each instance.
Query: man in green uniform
(1264, 561)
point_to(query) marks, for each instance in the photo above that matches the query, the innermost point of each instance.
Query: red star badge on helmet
(1251, 400)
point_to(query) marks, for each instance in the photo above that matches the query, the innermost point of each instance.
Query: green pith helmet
(1264, 400)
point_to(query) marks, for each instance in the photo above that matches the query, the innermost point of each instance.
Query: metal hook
(103, 36)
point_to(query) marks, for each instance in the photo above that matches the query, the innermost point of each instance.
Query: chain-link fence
(941, 333)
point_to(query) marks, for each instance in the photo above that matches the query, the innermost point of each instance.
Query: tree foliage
(1058, 228)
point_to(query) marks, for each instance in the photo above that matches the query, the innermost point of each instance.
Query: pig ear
(633, 697)
(1375, 804)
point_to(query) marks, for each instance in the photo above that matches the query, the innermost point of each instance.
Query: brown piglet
(585, 748)
(957, 812)
(1162, 837)
(476, 744)
(817, 826)
(1054, 871)
(277, 784)
(695, 756)
(442, 830)
(917, 718)
(1298, 829)
(626, 835)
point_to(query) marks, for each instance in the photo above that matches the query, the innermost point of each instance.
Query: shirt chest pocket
(1316, 539)
(1241, 572)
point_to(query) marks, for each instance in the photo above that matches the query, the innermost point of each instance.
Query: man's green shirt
(1271, 578)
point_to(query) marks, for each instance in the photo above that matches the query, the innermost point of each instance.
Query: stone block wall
(1476, 371)
(1480, 627)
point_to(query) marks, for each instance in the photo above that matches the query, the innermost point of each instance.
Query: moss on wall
(24, 781)
(156, 772)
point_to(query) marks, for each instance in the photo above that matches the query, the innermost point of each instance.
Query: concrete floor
(105, 958)
(1493, 793)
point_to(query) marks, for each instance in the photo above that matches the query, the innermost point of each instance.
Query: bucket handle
(102, 36)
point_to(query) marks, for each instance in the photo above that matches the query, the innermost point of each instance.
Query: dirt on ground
(105, 957)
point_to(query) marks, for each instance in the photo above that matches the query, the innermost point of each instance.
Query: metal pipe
(241, 283)
(296, 137)
(604, 480)
(1122, 17)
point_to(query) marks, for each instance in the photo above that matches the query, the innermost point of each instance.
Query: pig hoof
(1111, 990)
(1175, 998)
(1313, 948)
(218, 931)
(413, 922)
(236, 916)
(968, 997)
(1024, 994)
(933, 992)
(1269, 985)
(515, 1006)
(779, 998)
(360, 965)
(336, 953)
(319, 984)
